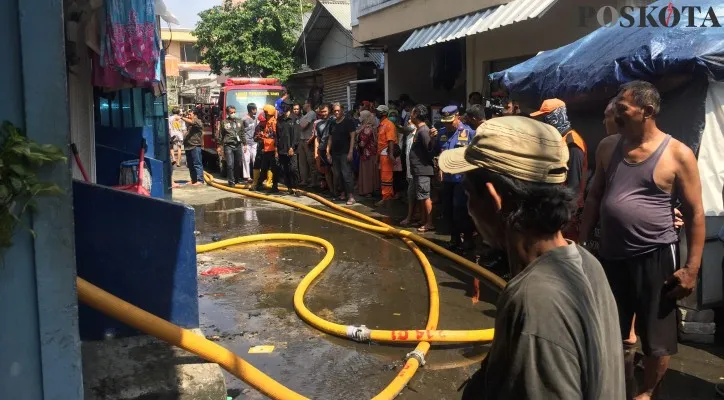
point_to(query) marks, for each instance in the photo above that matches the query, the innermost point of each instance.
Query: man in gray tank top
(641, 172)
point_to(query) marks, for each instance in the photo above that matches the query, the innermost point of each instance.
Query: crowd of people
(385, 152)
(566, 311)
(592, 254)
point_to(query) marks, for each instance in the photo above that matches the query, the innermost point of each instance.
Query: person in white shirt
(176, 131)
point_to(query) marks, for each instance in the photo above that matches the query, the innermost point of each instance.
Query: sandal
(424, 229)
(351, 202)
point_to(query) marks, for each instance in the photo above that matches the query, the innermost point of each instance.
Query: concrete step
(690, 315)
(143, 367)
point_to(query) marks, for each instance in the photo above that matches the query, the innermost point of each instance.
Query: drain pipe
(349, 89)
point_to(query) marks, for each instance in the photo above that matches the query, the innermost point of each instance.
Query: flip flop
(424, 229)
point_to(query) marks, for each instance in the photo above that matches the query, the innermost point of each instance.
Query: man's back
(308, 121)
(556, 335)
(421, 152)
(176, 126)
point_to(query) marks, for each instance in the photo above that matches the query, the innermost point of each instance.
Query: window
(189, 53)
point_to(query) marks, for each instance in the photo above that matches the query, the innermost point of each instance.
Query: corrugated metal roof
(481, 21)
(341, 11)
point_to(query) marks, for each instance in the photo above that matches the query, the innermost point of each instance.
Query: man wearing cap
(386, 141)
(556, 321)
(553, 112)
(455, 135)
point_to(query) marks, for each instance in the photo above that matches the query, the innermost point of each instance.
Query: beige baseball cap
(516, 146)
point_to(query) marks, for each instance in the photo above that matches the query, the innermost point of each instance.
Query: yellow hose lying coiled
(183, 338)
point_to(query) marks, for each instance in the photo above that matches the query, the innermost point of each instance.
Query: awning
(481, 21)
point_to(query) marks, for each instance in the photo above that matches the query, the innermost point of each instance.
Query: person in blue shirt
(455, 134)
(278, 104)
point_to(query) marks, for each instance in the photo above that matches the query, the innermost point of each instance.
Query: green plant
(20, 159)
(254, 38)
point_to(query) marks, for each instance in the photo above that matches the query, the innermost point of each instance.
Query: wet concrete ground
(372, 281)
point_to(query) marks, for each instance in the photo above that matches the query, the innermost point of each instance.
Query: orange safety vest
(269, 140)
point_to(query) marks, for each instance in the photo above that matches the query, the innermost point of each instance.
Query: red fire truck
(239, 92)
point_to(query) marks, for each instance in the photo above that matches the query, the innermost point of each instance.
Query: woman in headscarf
(369, 177)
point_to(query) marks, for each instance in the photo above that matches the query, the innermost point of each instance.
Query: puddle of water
(372, 281)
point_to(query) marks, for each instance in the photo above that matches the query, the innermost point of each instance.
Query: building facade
(437, 51)
(332, 65)
(189, 80)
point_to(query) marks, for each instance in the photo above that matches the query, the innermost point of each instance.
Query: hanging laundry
(129, 42)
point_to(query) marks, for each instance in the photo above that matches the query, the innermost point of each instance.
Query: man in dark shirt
(340, 150)
(321, 133)
(287, 140)
(553, 112)
(455, 134)
(421, 166)
(192, 145)
(232, 139)
(307, 169)
(556, 325)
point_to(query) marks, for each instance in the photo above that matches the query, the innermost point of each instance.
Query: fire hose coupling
(359, 333)
(417, 355)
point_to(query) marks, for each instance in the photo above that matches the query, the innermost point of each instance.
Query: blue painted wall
(127, 139)
(144, 252)
(20, 369)
(122, 119)
(39, 345)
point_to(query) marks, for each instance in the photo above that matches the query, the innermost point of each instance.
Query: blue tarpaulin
(594, 66)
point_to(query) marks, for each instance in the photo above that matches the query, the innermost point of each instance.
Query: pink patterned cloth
(130, 50)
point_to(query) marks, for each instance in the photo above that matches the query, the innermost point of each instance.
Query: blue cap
(448, 113)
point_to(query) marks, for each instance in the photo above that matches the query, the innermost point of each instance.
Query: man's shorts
(175, 142)
(410, 191)
(420, 187)
(637, 284)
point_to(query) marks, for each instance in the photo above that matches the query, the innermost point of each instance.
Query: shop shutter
(335, 81)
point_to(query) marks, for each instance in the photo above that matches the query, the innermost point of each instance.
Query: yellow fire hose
(164, 330)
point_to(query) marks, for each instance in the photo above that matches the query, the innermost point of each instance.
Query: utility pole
(304, 36)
